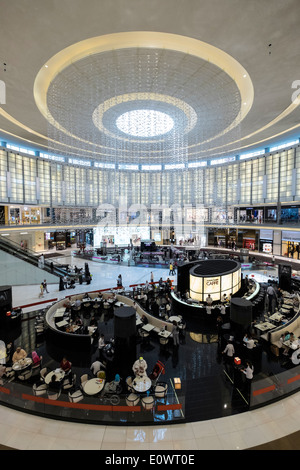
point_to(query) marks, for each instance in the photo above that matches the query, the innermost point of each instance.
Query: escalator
(31, 257)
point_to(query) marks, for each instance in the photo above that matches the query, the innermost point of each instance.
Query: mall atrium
(174, 123)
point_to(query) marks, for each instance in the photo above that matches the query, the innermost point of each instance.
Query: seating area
(149, 343)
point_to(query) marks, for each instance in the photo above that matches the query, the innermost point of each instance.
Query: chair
(163, 341)
(39, 389)
(53, 395)
(132, 399)
(76, 396)
(36, 368)
(129, 381)
(25, 375)
(83, 379)
(10, 374)
(161, 389)
(148, 403)
(144, 335)
(43, 373)
(67, 384)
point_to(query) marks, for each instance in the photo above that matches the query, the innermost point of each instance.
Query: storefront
(290, 214)
(250, 214)
(24, 215)
(290, 244)
(266, 241)
(120, 236)
(49, 241)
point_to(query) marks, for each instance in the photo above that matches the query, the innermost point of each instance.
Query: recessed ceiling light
(145, 123)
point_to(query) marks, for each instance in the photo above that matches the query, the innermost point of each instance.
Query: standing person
(209, 300)
(271, 298)
(101, 344)
(229, 354)
(45, 286)
(248, 371)
(175, 333)
(119, 281)
(223, 309)
(219, 326)
(170, 269)
(151, 277)
(41, 294)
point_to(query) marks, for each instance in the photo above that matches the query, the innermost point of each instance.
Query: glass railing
(106, 408)
(274, 387)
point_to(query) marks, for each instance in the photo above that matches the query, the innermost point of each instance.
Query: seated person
(65, 365)
(93, 322)
(54, 384)
(96, 367)
(139, 367)
(19, 354)
(35, 357)
(78, 321)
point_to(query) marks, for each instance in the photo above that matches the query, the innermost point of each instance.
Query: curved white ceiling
(232, 64)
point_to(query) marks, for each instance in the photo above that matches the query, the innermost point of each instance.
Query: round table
(93, 386)
(59, 375)
(141, 384)
(21, 364)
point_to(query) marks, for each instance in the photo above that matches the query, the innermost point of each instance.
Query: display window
(249, 243)
(291, 249)
(250, 214)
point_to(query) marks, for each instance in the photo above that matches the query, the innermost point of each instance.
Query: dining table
(277, 316)
(22, 364)
(148, 327)
(141, 384)
(59, 374)
(292, 344)
(93, 386)
(264, 326)
(164, 333)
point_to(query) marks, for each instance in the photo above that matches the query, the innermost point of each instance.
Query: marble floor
(241, 431)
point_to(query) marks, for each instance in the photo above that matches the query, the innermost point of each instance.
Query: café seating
(129, 381)
(67, 384)
(148, 403)
(132, 399)
(36, 368)
(163, 341)
(161, 389)
(75, 396)
(10, 374)
(144, 335)
(43, 373)
(53, 395)
(39, 389)
(101, 374)
(83, 379)
(25, 375)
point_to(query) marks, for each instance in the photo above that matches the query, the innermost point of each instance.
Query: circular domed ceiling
(142, 104)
